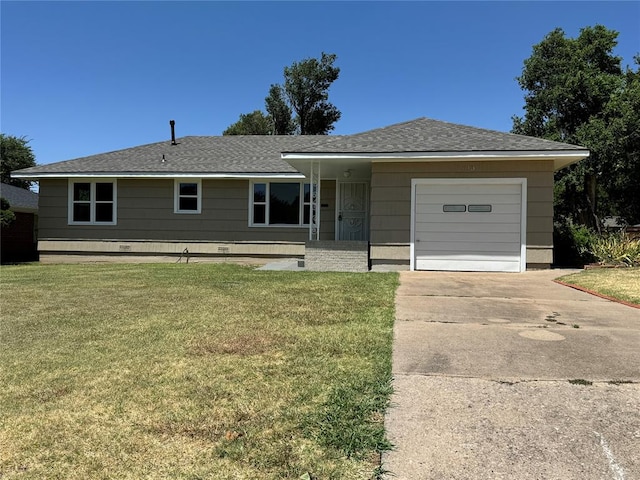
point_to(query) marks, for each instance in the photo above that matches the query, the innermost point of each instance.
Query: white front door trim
(471, 181)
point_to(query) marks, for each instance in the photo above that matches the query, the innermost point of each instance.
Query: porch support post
(314, 214)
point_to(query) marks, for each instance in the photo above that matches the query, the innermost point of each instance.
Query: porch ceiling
(358, 168)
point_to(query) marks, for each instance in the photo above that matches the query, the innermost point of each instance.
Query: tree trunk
(590, 189)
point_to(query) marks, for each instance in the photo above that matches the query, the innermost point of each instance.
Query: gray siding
(391, 194)
(145, 212)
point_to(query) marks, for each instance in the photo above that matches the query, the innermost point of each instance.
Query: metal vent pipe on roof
(173, 132)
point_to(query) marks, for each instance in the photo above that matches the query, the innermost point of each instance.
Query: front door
(352, 211)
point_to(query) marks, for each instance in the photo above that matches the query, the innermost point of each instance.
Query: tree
(6, 216)
(254, 123)
(279, 112)
(306, 92)
(306, 86)
(577, 92)
(617, 134)
(15, 153)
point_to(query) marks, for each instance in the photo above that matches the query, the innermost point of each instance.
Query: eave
(561, 158)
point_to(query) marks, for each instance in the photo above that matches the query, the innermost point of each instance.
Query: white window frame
(92, 200)
(267, 202)
(177, 196)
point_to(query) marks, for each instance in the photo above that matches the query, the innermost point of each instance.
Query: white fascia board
(157, 175)
(574, 155)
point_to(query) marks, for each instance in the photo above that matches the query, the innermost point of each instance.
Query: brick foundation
(329, 256)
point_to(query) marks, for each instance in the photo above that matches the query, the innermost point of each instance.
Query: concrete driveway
(512, 376)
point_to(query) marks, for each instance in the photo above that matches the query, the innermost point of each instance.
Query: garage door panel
(476, 189)
(474, 265)
(464, 197)
(431, 218)
(453, 192)
(428, 248)
(426, 238)
(467, 227)
(495, 207)
(472, 256)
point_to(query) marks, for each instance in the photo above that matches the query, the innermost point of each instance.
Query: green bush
(616, 249)
(572, 244)
(6, 216)
(583, 237)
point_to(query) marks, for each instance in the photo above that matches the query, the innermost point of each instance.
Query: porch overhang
(315, 169)
(560, 158)
(332, 166)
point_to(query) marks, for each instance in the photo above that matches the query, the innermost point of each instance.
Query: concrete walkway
(491, 377)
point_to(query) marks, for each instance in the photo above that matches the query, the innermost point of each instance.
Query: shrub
(616, 249)
(6, 216)
(572, 244)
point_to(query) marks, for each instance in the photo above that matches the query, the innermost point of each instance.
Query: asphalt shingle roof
(261, 154)
(224, 154)
(19, 198)
(427, 135)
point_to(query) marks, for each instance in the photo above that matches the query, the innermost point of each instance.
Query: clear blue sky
(79, 78)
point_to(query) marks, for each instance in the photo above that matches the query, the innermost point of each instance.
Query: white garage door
(469, 225)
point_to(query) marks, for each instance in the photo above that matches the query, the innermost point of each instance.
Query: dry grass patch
(621, 283)
(192, 371)
(246, 344)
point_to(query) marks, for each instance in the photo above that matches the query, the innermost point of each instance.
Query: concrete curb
(601, 295)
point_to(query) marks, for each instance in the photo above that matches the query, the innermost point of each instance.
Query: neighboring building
(423, 194)
(633, 231)
(18, 241)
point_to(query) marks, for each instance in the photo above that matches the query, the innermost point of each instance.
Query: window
(454, 208)
(306, 204)
(280, 203)
(259, 203)
(92, 202)
(187, 196)
(479, 208)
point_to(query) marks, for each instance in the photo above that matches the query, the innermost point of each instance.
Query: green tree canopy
(279, 112)
(306, 85)
(254, 123)
(305, 92)
(577, 92)
(6, 216)
(15, 153)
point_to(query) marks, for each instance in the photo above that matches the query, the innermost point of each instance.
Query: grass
(580, 381)
(192, 371)
(620, 283)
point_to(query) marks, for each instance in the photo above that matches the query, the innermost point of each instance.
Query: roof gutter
(44, 175)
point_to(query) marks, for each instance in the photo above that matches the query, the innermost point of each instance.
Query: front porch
(350, 250)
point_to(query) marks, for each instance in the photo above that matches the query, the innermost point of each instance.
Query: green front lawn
(621, 283)
(192, 371)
